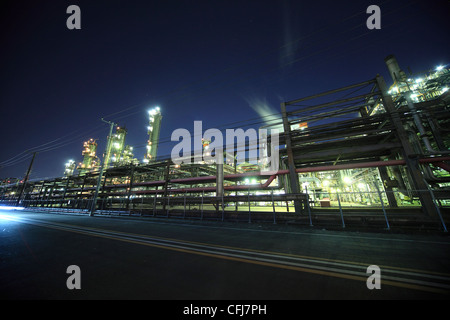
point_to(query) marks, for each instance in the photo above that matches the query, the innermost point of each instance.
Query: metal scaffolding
(362, 146)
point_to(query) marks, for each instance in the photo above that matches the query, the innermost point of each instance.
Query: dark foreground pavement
(123, 258)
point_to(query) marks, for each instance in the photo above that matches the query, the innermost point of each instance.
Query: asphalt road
(123, 258)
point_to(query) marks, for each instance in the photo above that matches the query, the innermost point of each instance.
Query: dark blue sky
(198, 60)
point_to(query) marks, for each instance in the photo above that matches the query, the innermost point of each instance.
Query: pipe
(439, 161)
(284, 172)
(443, 165)
(394, 69)
(205, 189)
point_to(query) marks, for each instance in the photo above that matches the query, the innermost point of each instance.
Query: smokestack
(397, 74)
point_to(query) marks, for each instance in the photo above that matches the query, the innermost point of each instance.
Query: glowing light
(7, 217)
(347, 180)
(154, 111)
(439, 68)
(419, 80)
(445, 89)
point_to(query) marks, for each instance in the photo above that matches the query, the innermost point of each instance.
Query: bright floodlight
(153, 111)
(439, 68)
(347, 180)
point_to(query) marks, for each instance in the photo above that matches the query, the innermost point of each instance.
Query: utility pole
(22, 190)
(102, 168)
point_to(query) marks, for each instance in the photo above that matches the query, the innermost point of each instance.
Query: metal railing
(277, 208)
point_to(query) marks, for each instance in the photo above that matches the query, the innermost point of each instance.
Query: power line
(25, 156)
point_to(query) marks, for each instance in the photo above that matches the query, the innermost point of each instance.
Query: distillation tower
(90, 159)
(153, 134)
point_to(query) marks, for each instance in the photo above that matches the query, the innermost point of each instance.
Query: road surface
(128, 258)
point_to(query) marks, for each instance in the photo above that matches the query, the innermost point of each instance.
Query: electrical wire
(25, 154)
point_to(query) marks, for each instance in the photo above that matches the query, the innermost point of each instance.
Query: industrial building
(365, 151)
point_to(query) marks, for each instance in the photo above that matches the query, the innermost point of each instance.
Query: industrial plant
(365, 153)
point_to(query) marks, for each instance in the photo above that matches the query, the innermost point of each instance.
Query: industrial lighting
(347, 180)
(154, 111)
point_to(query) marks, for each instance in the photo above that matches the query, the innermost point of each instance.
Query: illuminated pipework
(425, 87)
(153, 134)
(90, 160)
(127, 157)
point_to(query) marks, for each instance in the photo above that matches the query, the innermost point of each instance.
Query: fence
(315, 207)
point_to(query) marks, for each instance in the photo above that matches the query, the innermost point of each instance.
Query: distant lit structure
(69, 168)
(90, 159)
(115, 148)
(128, 156)
(153, 134)
(414, 89)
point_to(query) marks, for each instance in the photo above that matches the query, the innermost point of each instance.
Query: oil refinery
(365, 152)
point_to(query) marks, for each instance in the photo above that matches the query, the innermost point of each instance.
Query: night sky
(219, 61)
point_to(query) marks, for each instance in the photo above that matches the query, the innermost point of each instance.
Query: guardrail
(277, 208)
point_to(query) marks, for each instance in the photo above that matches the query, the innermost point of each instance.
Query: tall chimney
(397, 74)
